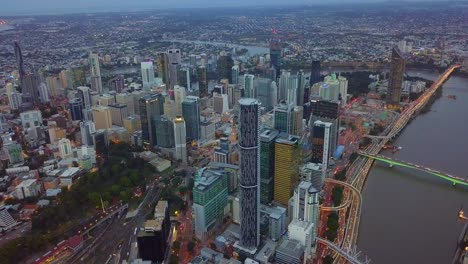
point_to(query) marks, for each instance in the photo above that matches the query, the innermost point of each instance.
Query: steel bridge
(453, 179)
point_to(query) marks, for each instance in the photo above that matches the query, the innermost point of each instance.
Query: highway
(359, 170)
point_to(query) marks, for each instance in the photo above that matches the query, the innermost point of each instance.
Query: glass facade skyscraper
(267, 160)
(191, 114)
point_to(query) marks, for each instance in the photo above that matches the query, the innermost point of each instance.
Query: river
(410, 216)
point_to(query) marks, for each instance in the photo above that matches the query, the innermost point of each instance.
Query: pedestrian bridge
(453, 179)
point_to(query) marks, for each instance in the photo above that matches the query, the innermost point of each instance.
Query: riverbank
(397, 199)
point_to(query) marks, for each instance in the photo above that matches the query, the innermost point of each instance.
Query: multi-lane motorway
(358, 171)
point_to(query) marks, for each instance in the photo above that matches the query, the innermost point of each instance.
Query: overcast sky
(15, 7)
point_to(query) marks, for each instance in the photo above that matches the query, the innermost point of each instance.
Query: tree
(115, 189)
(124, 181)
(337, 195)
(94, 199)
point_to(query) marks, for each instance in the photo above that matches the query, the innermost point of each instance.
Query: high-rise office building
(321, 141)
(210, 197)
(305, 215)
(150, 106)
(76, 109)
(191, 114)
(343, 90)
(250, 173)
(87, 129)
(275, 55)
(30, 90)
(330, 89)
(118, 112)
(96, 82)
(247, 83)
(179, 96)
(267, 168)
(193, 60)
(65, 148)
(220, 103)
(147, 74)
(102, 117)
(289, 251)
(202, 81)
(264, 88)
(180, 139)
(286, 167)
(164, 132)
(153, 239)
(224, 66)
(84, 94)
(44, 94)
(315, 73)
(301, 84)
(287, 89)
(174, 57)
(327, 111)
(235, 74)
(127, 99)
(283, 119)
(395, 81)
(297, 114)
(162, 64)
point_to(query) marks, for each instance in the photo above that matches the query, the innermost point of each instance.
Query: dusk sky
(70, 6)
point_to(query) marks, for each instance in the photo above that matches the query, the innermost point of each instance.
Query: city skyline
(299, 135)
(56, 7)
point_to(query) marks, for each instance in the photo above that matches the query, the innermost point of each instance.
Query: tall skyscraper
(164, 132)
(247, 83)
(174, 57)
(87, 129)
(330, 90)
(30, 90)
(151, 106)
(286, 168)
(315, 73)
(191, 114)
(267, 168)
(395, 81)
(327, 111)
(44, 94)
(76, 109)
(19, 62)
(264, 88)
(297, 114)
(305, 216)
(301, 79)
(118, 112)
(250, 173)
(287, 89)
(283, 119)
(162, 64)
(321, 141)
(147, 74)
(102, 117)
(96, 82)
(224, 67)
(202, 81)
(275, 55)
(343, 90)
(210, 197)
(180, 139)
(235, 74)
(179, 96)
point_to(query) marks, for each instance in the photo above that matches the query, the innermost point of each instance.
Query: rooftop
(291, 248)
